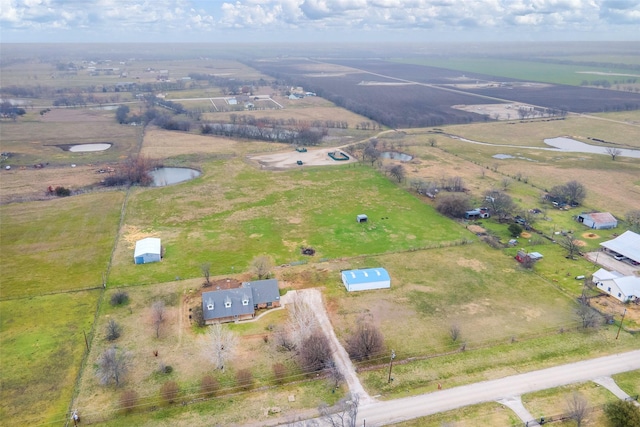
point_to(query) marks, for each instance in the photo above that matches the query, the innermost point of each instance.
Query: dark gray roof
(263, 291)
(227, 302)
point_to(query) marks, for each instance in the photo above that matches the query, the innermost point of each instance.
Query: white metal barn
(147, 250)
(364, 280)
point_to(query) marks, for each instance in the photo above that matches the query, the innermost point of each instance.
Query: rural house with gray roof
(230, 305)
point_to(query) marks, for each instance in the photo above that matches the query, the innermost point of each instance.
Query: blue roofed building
(230, 305)
(366, 279)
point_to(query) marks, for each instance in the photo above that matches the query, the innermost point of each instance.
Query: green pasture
(521, 70)
(57, 245)
(41, 347)
(484, 414)
(554, 401)
(629, 382)
(234, 212)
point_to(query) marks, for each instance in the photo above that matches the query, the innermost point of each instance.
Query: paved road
(393, 411)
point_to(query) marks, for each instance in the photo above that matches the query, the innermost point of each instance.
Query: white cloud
(190, 18)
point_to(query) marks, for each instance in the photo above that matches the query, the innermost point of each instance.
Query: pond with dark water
(167, 176)
(395, 155)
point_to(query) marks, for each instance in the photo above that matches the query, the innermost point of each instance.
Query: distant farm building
(147, 250)
(362, 218)
(623, 288)
(627, 244)
(477, 213)
(598, 220)
(365, 280)
(230, 305)
(522, 256)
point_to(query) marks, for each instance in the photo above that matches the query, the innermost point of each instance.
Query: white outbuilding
(367, 279)
(623, 288)
(147, 250)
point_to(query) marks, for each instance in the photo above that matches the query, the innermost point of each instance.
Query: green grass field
(485, 414)
(536, 71)
(58, 245)
(235, 212)
(41, 347)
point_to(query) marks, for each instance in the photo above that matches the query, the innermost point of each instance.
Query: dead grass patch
(473, 264)
(590, 235)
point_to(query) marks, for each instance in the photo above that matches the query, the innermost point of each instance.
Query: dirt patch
(131, 234)
(580, 243)
(473, 264)
(606, 304)
(525, 235)
(590, 236)
(290, 158)
(476, 229)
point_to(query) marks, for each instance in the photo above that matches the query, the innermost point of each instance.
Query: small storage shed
(362, 218)
(598, 220)
(147, 250)
(367, 279)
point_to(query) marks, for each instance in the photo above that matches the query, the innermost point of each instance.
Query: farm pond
(167, 176)
(395, 155)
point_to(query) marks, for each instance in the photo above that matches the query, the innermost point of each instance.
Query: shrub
(244, 378)
(165, 369)
(454, 205)
(169, 391)
(209, 385)
(62, 192)
(128, 401)
(113, 330)
(514, 229)
(279, 372)
(198, 316)
(365, 342)
(119, 298)
(622, 413)
(315, 352)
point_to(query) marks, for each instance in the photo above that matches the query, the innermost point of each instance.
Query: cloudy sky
(317, 20)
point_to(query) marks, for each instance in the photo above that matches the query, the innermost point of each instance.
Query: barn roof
(368, 275)
(601, 217)
(150, 245)
(627, 244)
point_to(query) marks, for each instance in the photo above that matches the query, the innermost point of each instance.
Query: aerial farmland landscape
(319, 234)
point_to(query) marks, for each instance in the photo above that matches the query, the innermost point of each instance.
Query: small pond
(81, 148)
(509, 156)
(573, 146)
(168, 176)
(395, 155)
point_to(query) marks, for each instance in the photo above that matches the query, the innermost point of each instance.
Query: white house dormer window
(245, 301)
(227, 303)
(209, 306)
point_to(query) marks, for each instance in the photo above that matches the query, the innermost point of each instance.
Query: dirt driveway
(289, 159)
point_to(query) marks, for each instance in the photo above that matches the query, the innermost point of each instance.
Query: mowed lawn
(57, 245)
(234, 212)
(41, 348)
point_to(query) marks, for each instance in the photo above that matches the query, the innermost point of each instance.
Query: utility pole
(393, 356)
(621, 320)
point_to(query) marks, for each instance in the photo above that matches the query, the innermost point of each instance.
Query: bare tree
(571, 245)
(128, 401)
(370, 152)
(398, 172)
(113, 365)
(588, 316)
(633, 218)
(365, 342)
(209, 385)
(336, 377)
(244, 379)
(500, 204)
(571, 192)
(577, 408)
(169, 391)
(206, 272)
(343, 414)
(302, 320)
(158, 316)
(279, 372)
(223, 343)
(314, 353)
(433, 142)
(506, 182)
(113, 330)
(613, 152)
(261, 266)
(454, 332)
(454, 205)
